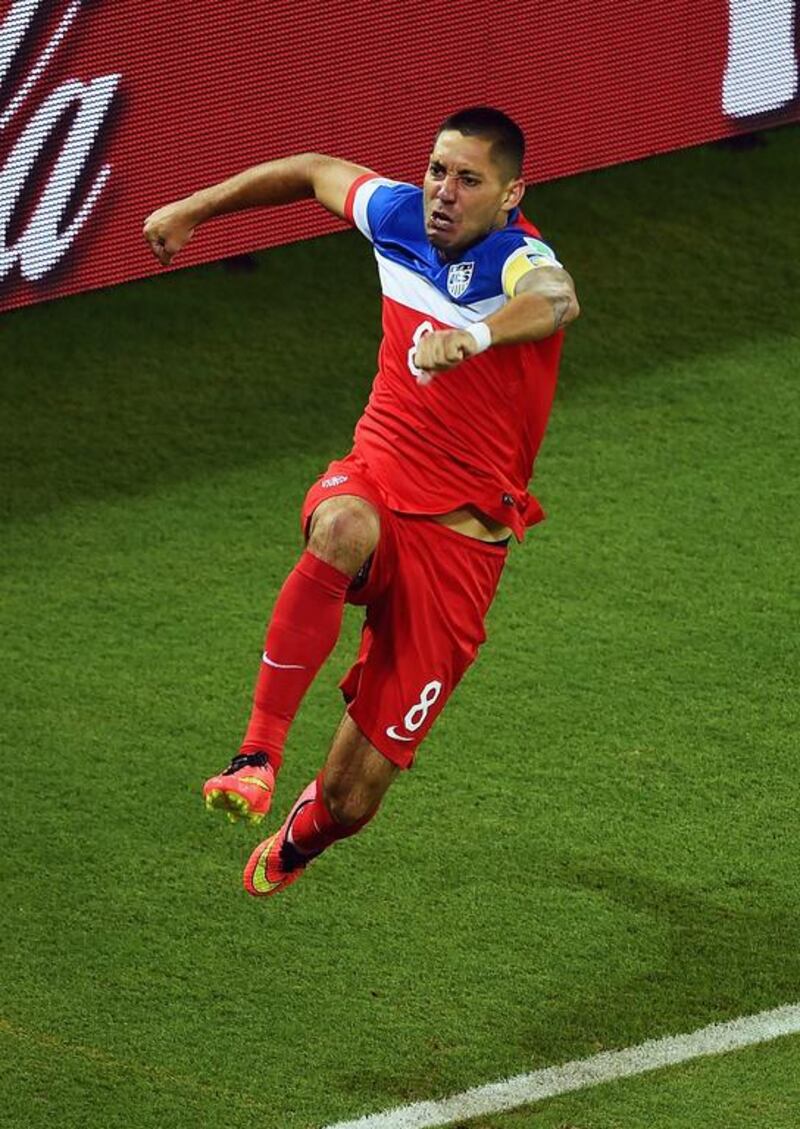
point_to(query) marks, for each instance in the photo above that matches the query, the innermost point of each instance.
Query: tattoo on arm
(561, 304)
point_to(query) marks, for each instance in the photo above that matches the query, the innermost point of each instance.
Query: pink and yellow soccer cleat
(276, 862)
(244, 789)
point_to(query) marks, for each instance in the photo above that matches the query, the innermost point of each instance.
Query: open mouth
(441, 221)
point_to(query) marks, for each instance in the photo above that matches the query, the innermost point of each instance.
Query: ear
(514, 193)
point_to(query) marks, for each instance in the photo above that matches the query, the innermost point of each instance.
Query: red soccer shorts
(427, 593)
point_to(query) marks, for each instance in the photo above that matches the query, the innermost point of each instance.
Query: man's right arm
(306, 175)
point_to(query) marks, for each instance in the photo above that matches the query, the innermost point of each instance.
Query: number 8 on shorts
(419, 711)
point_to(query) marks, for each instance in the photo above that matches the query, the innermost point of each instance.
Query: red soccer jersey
(472, 434)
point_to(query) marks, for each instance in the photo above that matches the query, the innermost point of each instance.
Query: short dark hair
(508, 140)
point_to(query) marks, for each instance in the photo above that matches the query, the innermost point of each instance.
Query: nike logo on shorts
(282, 666)
(390, 732)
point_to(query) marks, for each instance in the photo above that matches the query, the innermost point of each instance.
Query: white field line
(582, 1073)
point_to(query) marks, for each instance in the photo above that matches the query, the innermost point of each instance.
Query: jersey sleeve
(371, 201)
(530, 255)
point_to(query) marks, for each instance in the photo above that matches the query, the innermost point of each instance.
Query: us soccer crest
(458, 278)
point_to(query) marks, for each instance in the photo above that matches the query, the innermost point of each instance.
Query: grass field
(598, 844)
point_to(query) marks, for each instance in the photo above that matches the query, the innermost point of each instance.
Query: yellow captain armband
(534, 254)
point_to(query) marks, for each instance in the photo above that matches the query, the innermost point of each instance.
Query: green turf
(598, 844)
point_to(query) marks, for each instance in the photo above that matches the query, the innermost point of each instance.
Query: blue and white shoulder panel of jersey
(372, 199)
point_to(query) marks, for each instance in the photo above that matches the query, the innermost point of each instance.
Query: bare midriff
(473, 523)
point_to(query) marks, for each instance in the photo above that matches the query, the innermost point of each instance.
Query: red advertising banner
(110, 108)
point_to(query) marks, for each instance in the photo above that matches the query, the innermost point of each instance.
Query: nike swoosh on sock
(282, 666)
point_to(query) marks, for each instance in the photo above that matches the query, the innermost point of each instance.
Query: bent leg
(349, 790)
(344, 531)
(356, 776)
(307, 618)
(341, 800)
(422, 632)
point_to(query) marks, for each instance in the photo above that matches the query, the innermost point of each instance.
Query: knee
(347, 804)
(344, 532)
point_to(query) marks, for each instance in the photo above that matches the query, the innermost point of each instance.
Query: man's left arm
(544, 302)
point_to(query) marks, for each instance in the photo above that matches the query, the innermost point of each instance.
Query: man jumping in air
(414, 522)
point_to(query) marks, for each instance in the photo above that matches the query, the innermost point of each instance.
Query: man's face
(466, 193)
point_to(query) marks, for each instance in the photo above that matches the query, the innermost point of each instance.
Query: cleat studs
(234, 805)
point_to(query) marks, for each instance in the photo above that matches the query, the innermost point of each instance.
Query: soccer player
(414, 522)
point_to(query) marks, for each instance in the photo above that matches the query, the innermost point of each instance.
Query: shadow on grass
(120, 391)
(730, 953)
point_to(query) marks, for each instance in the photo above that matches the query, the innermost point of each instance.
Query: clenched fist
(441, 350)
(170, 228)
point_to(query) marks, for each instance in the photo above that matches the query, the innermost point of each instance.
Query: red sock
(314, 828)
(301, 634)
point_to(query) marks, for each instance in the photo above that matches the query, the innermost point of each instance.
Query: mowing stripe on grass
(582, 1073)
